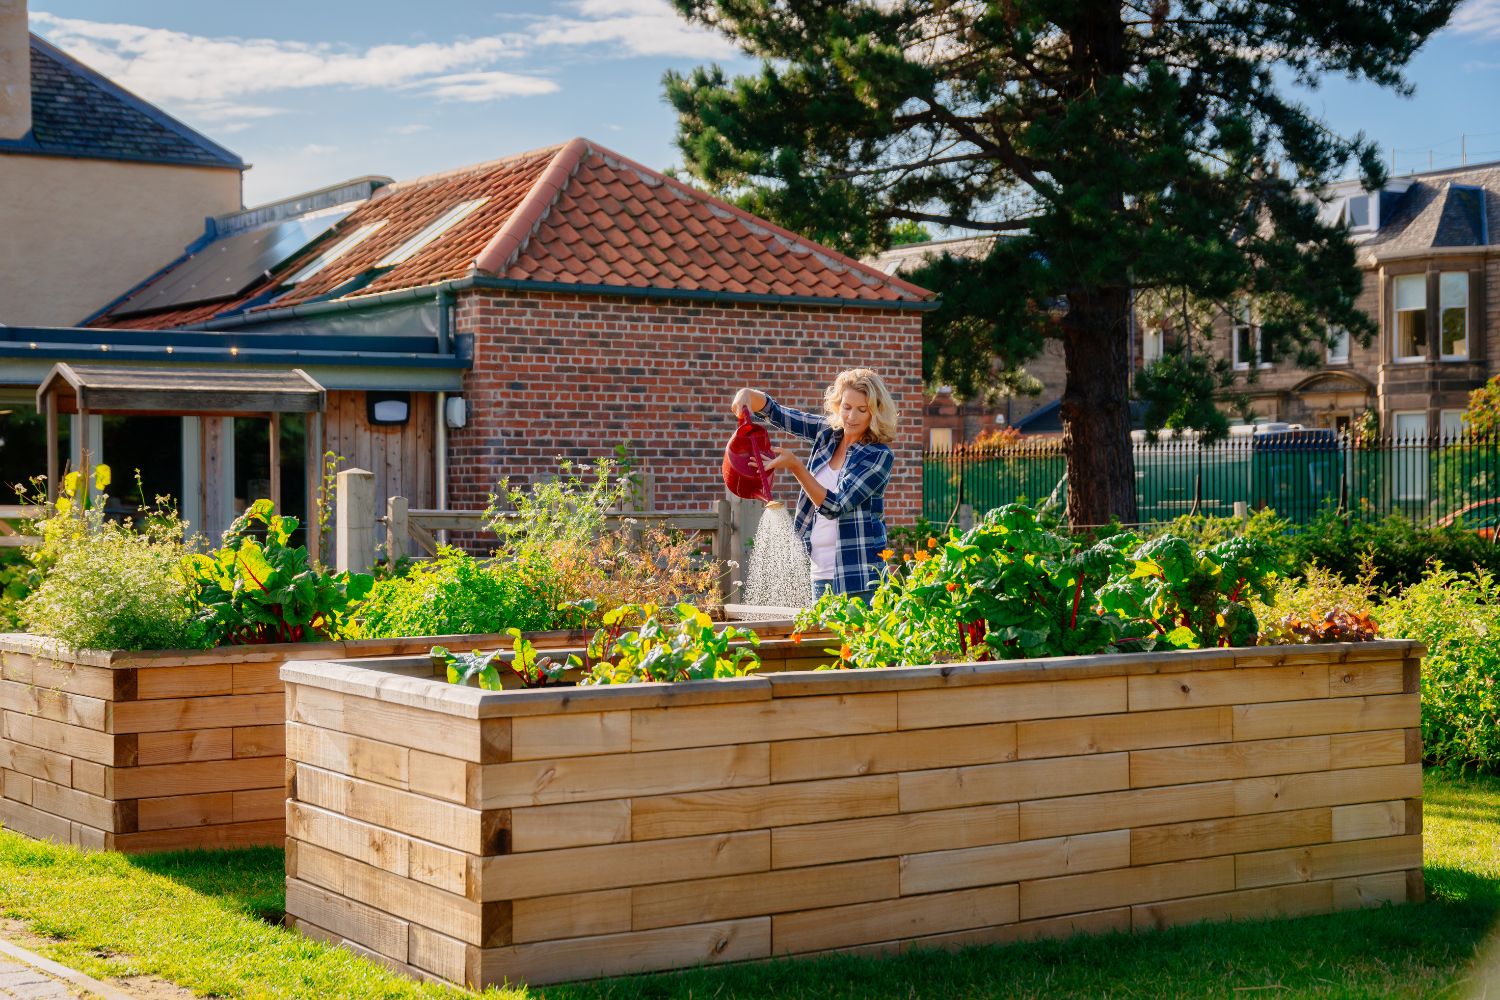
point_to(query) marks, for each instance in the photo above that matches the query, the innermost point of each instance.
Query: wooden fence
(10, 538)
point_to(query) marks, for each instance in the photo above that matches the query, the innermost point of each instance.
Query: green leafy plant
(254, 591)
(1457, 617)
(1194, 598)
(1319, 607)
(689, 650)
(457, 594)
(484, 669)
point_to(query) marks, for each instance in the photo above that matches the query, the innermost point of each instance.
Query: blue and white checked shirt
(856, 502)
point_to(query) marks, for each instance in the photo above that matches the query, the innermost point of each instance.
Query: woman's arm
(765, 409)
(858, 485)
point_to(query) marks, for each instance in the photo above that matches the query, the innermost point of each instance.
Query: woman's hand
(747, 399)
(786, 458)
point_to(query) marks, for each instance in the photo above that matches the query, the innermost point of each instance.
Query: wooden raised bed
(172, 749)
(540, 836)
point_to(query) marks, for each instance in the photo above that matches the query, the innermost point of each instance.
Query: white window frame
(1338, 346)
(1450, 425)
(1397, 311)
(1153, 345)
(1244, 320)
(432, 232)
(1443, 307)
(1410, 461)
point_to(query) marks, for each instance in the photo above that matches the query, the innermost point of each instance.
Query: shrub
(106, 585)
(456, 594)
(1400, 551)
(1320, 606)
(1457, 617)
(16, 582)
(253, 591)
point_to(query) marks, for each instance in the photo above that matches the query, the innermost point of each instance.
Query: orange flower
(931, 543)
(952, 587)
(907, 557)
(796, 636)
(922, 557)
(845, 652)
(887, 554)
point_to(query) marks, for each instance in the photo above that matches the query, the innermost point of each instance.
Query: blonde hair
(882, 407)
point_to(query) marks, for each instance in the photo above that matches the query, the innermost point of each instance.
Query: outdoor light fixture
(456, 411)
(388, 407)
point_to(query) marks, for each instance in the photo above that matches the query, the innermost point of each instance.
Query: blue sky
(313, 93)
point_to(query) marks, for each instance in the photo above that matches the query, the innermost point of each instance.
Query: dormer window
(1357, 214)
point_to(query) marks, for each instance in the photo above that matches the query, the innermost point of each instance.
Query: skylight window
(444, 222)
(338, 250)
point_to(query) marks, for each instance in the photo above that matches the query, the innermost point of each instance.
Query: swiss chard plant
(689, 649)
(1193, 598)
(485, 669)
(258, 588)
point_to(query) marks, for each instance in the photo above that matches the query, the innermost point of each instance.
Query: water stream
(778, 573)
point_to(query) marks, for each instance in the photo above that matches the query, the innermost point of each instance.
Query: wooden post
(723, 537)
(1241, 510)
(52, 464)
(397, 531)
(84, 448)
(965, 516)
(312, 445)
(354, 525)
(274, 433)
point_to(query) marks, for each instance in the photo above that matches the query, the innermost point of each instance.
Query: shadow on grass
(250, 880)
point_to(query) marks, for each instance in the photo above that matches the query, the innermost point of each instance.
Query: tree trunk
(1096, 408)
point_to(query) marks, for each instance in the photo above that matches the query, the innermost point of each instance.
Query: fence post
(965, 516)
(354, 528)
(1241, 510)
(397, 530)
(723, 547)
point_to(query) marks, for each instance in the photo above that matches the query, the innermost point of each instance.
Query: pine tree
(1111, 147)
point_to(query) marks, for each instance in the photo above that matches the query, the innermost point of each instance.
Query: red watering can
(745, 458)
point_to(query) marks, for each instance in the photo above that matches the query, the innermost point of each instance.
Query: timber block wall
(560, 834)
(174, 749)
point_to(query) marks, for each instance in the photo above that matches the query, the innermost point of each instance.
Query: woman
(841, 512)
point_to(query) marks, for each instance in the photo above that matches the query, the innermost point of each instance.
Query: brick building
(573, 299)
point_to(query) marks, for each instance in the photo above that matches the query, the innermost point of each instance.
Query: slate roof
(575, 214)
(78, 112)
(1448, 208)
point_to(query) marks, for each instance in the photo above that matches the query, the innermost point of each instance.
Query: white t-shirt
(825, 531)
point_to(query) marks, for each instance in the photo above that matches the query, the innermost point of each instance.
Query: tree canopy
(1109, 147)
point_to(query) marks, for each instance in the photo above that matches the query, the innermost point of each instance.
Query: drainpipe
(442, 451)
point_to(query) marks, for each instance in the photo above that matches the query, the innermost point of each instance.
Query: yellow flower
(64, 505)
(931, 543)
(101, 476)
(887, 554)
(922, 557)
(70, 483)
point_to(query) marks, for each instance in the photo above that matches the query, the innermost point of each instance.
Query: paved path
(22, 982)
(25, 975)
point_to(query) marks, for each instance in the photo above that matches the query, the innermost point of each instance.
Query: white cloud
(631, 28)
(487, 85)
(411, 129)
(317, 149)
(1478, 17)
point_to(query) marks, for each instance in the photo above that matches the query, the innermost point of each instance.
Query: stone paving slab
(22, 982)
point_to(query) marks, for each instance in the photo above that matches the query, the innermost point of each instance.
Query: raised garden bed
(172, 749)
(560, 834)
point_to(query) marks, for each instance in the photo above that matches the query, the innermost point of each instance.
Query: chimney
(15, 70)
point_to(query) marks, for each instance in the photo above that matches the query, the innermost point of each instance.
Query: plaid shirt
(856, 502)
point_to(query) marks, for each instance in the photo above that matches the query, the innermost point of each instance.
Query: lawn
(204, 920)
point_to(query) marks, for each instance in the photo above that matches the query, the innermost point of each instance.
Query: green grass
(200, 920)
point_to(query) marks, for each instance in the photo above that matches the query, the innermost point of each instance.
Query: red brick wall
(574, 375)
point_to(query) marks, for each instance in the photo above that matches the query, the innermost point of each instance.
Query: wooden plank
(619, 954)
(1244, 904)
(1121, 810)
(50, 703)
(1215, 761)
(265, 832)
(767, 806)
(543, 736)
(196, 681)
(944, 870)
(575, 824)
(259, 803)
(1365, 891)
(1102, 890)
(616, 866)
(60, 675)
(1327, 788)
(440, 866)
(37, 762)
(186, 746)
(1023, 779)
(356, 756)
(260, 741)
(1231, 835)
(700, 901)
(172, 714)
(75, 741)
(189, 779)
(1387, 746)
(1366, 678)
(442, 956)
(392, 809)
(579, 914)
(1323, 861)
(258, 678)
(17, 786)
(1324, 715)
(1112, 921)
(88, 777)
(777, 719)
(34, 823)
(87, 838)
(174, 811)
(888, 836)
(1228, 687)
(548, 782)
(441, 777)
(1370, 820)
(400, 897)
(1131, 731)
(351, 838)
(882, 753)
(889, 920)
(976, 705)
(434, 732)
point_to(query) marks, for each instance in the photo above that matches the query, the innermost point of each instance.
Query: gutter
(426, 293)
